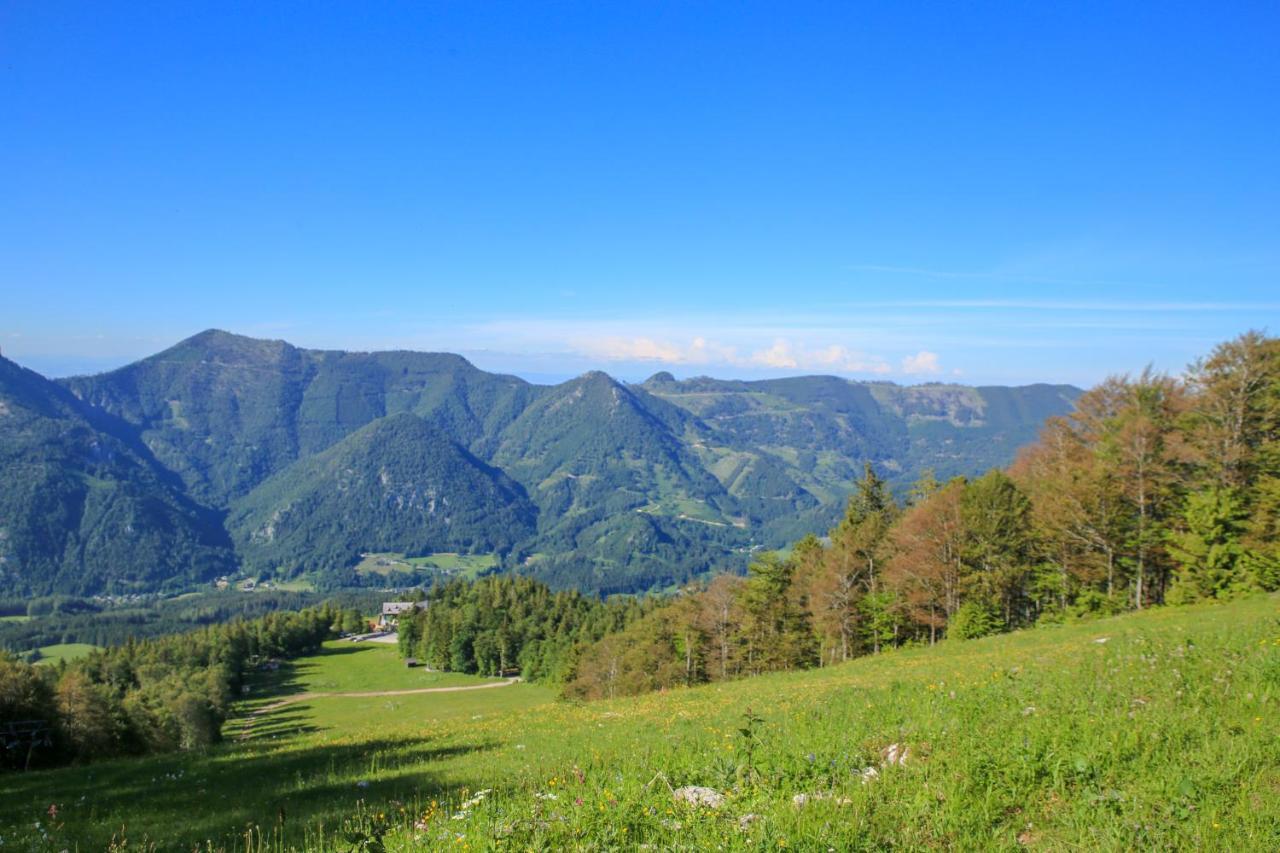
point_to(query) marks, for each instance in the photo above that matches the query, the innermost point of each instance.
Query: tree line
(1155, 490)
(502, 623)
(149, 696)
(68, 619)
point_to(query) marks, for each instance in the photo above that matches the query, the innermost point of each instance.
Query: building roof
(395, 608)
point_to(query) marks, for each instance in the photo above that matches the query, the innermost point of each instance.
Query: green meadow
(463, 565)
(1157, 730)
(64, 651)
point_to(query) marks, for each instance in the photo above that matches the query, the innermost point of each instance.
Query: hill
(612, 487)
(225, 412)
(1152, 730)
(84, 508)
(398, 484)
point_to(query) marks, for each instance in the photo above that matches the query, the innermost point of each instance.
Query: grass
(295, 585)
(1156, 730)
(64, 651)
(346, 667)
(463, 565)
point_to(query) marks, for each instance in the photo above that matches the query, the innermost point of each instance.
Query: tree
(1237, 408)
(997, 547)
(1075, 508)
(90, 717)
(1130, 424)
(1207, 548)
(775, 627)
(927, 564)
(854, 564)
(719, 617)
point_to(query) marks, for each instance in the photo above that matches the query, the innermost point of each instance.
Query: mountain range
(225, 453)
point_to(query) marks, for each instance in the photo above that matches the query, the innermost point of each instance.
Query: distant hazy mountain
(312, 457)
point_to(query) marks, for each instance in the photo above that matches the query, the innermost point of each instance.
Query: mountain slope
(398, 484)
(82, 510)
(621, 487)
(226, 412)
(824, 427)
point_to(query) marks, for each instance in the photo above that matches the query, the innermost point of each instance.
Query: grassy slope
(344, 667)
(1163, 736)
(464, 565)
(64, 651)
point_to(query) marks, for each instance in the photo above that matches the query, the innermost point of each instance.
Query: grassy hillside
(1156, 730)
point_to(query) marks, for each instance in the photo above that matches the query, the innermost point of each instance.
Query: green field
(295, 585)
(345, 667)
(64, 651)
(1156, 730)
(462, 565)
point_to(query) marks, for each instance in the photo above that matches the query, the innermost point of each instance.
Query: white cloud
(782, 354)
(922, 362)
(734, 344)
(779, 355)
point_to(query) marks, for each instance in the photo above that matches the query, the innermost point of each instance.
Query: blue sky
(959, 192)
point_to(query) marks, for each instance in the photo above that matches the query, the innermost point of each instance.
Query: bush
(973, 620)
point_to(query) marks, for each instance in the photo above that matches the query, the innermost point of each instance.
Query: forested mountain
(398, 484)
(306, 458)
(226, 412)
(84, 510)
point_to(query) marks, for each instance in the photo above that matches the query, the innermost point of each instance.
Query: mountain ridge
(617, 486)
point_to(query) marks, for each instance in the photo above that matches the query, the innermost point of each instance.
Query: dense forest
(151, 696)
(1155, 490)
(503, 623)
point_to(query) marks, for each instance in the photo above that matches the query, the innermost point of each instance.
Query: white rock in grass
(894, 753)
(869, 774)
(696, 795)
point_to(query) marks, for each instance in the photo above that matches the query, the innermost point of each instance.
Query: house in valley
(392, 610)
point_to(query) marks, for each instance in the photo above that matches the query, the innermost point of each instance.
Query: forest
(1155, 490)
(150, 696)
(502, 623)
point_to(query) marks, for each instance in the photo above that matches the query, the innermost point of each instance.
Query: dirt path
(253, 716)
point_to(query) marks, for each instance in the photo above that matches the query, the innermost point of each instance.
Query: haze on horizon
(1009, 194)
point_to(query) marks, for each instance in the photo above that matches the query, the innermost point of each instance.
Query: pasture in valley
(1153, 730)
(461, 565)
(64, 651)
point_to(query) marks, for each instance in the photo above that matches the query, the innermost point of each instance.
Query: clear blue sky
(967, 192)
